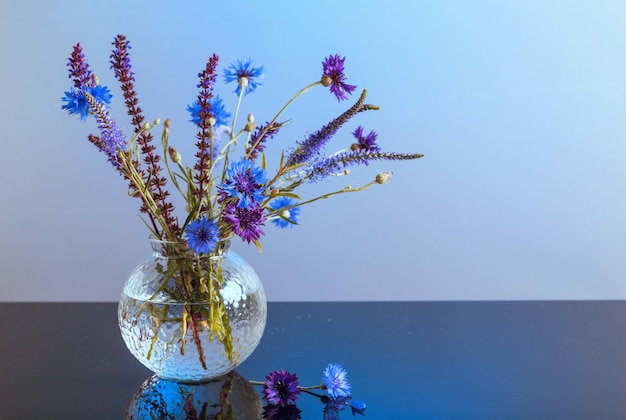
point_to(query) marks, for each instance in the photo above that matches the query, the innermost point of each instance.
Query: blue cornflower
(285, 217)
(281, 387)
(333, 77)
(76, 103)
(217, 111)
(202, 235)
(365, 142)
(245, 75)
(244, 182)
(335, 381)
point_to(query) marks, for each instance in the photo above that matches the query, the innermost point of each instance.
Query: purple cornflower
(333, 76)
(76, 102)
(281, 388)
(202, 235)
(244, 182)
(246, 222)
(365, 142)
(245, 75)
(335, 381)
(217, 110)
(288, 217)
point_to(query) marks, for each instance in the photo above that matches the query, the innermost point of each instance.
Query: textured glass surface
(159, 342)
(230, 397)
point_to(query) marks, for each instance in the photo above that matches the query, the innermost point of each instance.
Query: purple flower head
(281, 388)
(202, 235)
(217, 110)
(245, 75)
(285, 217)
(244, 182)
(76, 102)
(365, 142)
(333, 77)
(246, 222)
(336, 381)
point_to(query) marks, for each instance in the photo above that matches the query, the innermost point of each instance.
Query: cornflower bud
(250, 118)
(157, 121)
(174, 155)
(167, 123)
(383, 177)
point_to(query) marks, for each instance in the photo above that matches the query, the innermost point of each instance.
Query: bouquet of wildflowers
(230, 189)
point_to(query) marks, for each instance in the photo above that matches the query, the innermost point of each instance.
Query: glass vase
(189, 317)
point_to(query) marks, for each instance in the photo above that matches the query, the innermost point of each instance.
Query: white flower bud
(383, 177)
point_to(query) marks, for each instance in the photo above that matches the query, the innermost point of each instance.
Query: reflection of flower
(281, 412)
(281, 387)
(336, 381)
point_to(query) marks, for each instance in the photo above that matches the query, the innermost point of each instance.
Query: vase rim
(222, 246)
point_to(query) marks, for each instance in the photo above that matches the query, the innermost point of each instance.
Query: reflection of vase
(192, 318)
(230, 397)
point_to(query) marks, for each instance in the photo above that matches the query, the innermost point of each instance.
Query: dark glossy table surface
(407, 360)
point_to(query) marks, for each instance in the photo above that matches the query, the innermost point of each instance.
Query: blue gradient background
(519, 107)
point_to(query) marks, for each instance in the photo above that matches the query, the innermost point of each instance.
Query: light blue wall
(519, 107)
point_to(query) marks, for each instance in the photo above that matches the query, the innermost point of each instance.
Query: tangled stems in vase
(224, 196)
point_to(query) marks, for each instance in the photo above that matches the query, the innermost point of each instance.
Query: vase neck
(172, 250)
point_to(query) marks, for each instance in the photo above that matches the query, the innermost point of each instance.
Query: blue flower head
(217, 110)
(244, 182)
(288, 215)
(336, 381)
(202, 235)
(244, 74)
(76, 103)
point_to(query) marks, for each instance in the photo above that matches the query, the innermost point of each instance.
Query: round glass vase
(190, 317)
